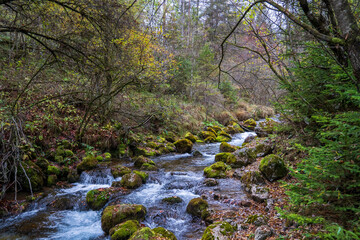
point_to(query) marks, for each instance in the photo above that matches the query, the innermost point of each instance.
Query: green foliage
(325, 98)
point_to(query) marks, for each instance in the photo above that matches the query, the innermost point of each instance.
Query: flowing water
(63, 214)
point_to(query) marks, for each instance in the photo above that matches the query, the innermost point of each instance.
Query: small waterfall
(100, 176)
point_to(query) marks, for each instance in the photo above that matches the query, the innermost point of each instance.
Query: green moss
(69, 153)
(145, 234)
(107, 156)
(35, 175)
(42, 163)
(222, 157)
(273, 167)
(183, 146)
(89, 162)
(223, 138)
(172, 200)
(217, 170)
(115, 214)
(144, 176)
(131, 181)
(148, 167)
(190, 137)
(226, 147)
(198, 207)
(59, 159)
(250, 123)
(51, 180)
(165, 233)
(145, 151)
(99, 158)
(206, 134)
(124, 230)
(170, 147)
(60, 151)
(122, 149)
(140, 160)
(218, 230)
(119, 170)
(97, 198)
(210, 140)
(252, 177)
(53, 170)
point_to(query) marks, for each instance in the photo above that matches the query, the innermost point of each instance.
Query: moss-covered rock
(123, 231)
(165, 233)
(144, 176)
(223, 136)
(69, 153)
(115, 214)
(183, 146)
(216, 170)
(97, 198)
(206, 134)
(198, 207)
(131, 181)
(252, 177)
(242, 158)
(53, 170)
(34, 173)
(145, 151)
(273, 167)
(257, 220)
(222, 157)
(250, 124)
(42, 163)
(190, 137)
(146, 234)
(215, 128)
(218, 230)
(119, 170)
(140, 160)
(258, 193)
(51, 180)
(170, 147)
(149, 167)
(172, 200)
(89, 162)
(226, 147)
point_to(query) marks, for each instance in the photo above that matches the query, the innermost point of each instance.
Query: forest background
(95, 72)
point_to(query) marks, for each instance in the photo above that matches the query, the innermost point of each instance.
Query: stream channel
(179, 175)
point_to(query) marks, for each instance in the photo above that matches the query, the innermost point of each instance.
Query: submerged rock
(172, 200)
(273, 167)
(123, 231)
(113, 215)
(219, 230)
(183, 146)
(210, 182)
(198, 207)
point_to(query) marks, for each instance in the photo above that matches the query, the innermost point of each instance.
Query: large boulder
(198, 207)
(216, 170)
(123, 231)
(183, 146)
(89, 162)
(131, 181)
(32, 173)
(119, 170)
(113, 215)
(219, 230)
(226, 147)
(273, 167)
